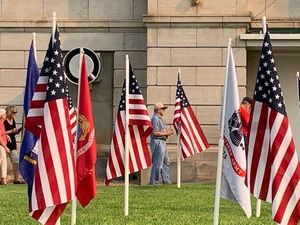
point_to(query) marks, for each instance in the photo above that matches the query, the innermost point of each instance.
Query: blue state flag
(27, 154)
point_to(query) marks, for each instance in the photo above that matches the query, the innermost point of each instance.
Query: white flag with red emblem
(234, 156)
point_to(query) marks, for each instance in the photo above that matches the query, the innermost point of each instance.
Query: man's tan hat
(159, 105)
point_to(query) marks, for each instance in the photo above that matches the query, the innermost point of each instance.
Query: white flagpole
(53, 34)
(179, 148)
(264, 21)
(126, 160)
(74, 201)
(258, 201)
(53, 27)
(221, 146)
(34, 45)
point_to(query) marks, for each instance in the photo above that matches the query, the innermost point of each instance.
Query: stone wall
(160, 36)
(279, 10)
(195, 40)
(200, 51)
(287, 10)
(111, 28)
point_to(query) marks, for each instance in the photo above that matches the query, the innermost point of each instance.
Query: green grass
(192, 204)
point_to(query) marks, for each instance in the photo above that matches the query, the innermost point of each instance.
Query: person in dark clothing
(12, 131)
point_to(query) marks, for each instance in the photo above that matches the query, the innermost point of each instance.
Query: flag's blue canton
(134, 88)
(47, 66)
(267, 89)
(56, 88)
(184, 102)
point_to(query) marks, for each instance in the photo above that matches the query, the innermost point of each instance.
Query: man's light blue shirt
(158, 125)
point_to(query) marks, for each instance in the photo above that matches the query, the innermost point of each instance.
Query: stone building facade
(159, 36)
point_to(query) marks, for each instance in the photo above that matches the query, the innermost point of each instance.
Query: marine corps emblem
(84, 127)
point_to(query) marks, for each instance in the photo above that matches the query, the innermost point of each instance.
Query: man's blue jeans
(160, 161)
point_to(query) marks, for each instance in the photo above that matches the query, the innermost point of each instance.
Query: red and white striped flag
(192, 138)
(139, 128)
(273, 170)
(48, 119)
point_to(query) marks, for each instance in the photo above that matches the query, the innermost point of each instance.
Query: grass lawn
(192, 204)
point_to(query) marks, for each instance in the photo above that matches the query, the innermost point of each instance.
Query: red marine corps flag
(86, 143)
(273, 170)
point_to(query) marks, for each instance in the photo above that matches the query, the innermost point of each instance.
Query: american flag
(48, 119)
(273, 168)
(192, 138)
(139, 128)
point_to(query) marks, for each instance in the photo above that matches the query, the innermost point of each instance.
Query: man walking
(160, 157)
